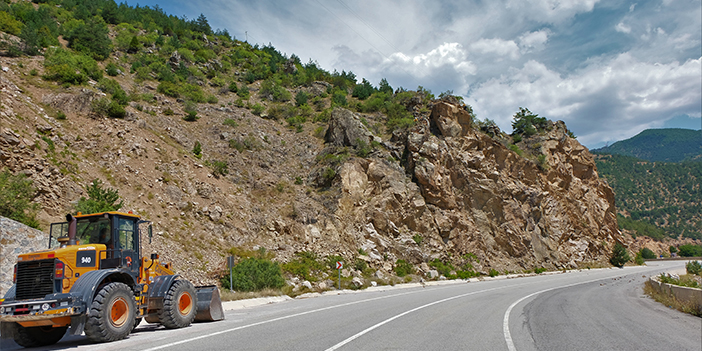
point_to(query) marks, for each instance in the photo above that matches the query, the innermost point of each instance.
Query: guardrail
(674, 259)
(689, 296)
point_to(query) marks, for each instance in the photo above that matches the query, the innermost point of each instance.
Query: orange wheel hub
(119, 312)
(185, 303)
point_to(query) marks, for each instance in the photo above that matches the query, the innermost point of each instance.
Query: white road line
(275, 320)
(505, 321)
(365, 331)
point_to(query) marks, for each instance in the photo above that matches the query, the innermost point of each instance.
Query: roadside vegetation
(692, 279)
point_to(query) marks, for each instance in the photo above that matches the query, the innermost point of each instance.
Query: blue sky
(609, 69)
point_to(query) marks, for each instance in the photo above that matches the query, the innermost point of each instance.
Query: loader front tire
(38, 336)
(179, 305)
(112, 314)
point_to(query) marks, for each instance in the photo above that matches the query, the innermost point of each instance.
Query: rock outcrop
(464, 192)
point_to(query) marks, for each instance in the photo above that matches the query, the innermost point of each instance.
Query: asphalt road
(602, 309)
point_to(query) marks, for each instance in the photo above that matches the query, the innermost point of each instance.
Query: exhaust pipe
(72, 228)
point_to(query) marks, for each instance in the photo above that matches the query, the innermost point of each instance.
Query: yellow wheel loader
(94, 280)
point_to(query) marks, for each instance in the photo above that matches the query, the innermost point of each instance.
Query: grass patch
(670, 300)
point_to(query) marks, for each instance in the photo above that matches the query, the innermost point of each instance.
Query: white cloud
(533, 40)
(622, 95)
(551, 11)
(622, 28)
(499, 47)
(447, 54)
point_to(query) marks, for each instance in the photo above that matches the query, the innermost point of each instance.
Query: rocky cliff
(445, 190)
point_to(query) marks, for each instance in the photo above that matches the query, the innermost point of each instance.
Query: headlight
(2, 309)
(45, 307)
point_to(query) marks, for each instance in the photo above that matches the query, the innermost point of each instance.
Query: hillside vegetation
(656, 199)
(666, 145)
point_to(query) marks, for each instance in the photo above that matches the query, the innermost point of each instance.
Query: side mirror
(151, 233)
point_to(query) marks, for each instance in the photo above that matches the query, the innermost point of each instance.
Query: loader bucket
(209, 305)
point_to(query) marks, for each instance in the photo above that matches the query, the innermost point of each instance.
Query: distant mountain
(657, 199)
(668, 145)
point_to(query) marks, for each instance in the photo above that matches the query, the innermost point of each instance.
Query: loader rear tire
(112, 314)
(179, 305)
(38, 336)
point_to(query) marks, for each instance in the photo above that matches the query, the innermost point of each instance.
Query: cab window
(126, 234)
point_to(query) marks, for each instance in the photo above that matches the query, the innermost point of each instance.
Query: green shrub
(168, 112)
(619, 255)
(694, 267)
(272, 91)
(301, 98)
(65, 67)
(444, 268)
(360, 265)
(9, 24)
(168, 89)
(418, 238)
(516, 149)
(539, 270)
(329, 174)
(197, 149)
(230, 122)
(61, 116)
(116, 110)
(16, 195)
(233, 87)
(257, 109)
(363, 90)
(647, 253)
(99, 199)
(243, 92)
(493, 272)
(690, 250)
(253, 274)
(527, 123)
(304, 265)
(339, 98)
(112, 69)
(638, 259)
(403, 268)
(111, 86)
(220, 168)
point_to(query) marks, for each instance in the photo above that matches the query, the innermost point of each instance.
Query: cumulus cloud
(498, 47)
(632, 64)
(623, 94)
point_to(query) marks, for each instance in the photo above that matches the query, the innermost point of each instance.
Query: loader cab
(119, 232)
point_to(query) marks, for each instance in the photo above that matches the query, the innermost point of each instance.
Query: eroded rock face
(464, 192)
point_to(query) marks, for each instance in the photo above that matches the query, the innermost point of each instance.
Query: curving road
(602, 309)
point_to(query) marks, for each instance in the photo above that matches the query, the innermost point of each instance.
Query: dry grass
(670, 300)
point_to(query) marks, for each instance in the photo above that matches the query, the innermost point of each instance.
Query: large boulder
(346, 129)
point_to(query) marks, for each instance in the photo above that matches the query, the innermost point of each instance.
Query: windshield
(91, 230)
